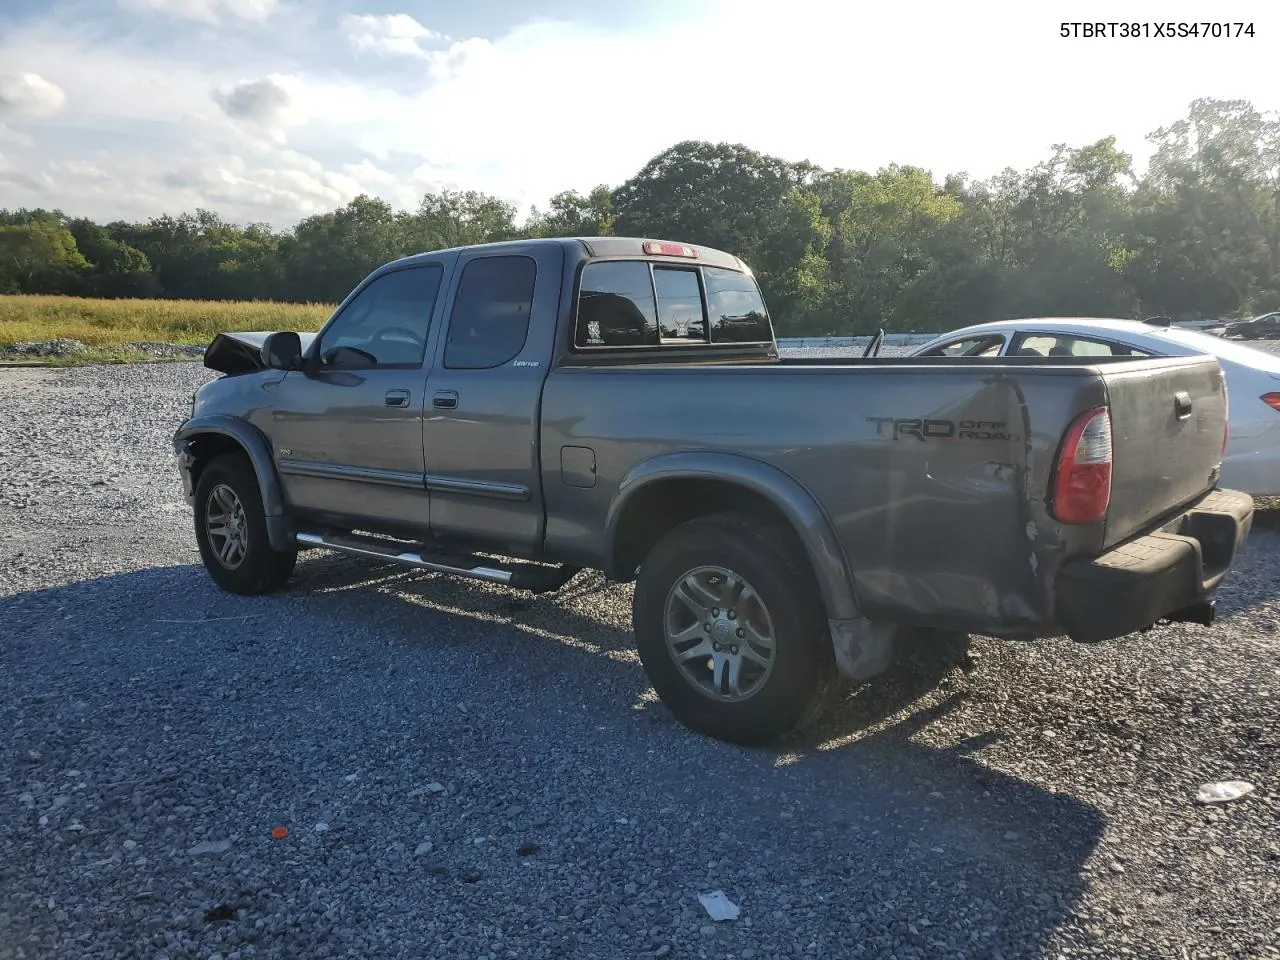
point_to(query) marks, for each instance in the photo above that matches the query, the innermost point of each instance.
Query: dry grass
(107, 325)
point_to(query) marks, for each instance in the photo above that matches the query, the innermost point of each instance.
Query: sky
(269, 111)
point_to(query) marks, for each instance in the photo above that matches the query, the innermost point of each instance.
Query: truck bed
(935, 471)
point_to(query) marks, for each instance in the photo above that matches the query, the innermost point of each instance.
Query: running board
(534, 577)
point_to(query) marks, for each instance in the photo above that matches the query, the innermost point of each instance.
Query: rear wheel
(231, 530)
(731, 629)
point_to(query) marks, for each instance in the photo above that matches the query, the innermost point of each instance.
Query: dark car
(1265, 327)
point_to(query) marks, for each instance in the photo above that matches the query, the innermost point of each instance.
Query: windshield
(1223, 349)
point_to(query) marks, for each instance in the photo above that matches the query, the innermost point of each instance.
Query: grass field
(108, 326)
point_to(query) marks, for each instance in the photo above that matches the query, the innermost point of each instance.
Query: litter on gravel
(718, 906)
(1223, 791)
(210, 846)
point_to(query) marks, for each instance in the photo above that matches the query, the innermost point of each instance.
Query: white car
(1252, 463)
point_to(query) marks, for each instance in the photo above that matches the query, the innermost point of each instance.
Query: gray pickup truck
(519, 412)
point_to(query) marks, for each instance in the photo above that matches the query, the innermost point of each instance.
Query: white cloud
(473, 53)
(550, 106)
(81, 170)
(290, 180)
(16, 137)
(30, 94)
(269, 104)
(208, 11)
(391, 34)
(257, 182)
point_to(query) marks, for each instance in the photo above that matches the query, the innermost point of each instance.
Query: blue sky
(271, 110)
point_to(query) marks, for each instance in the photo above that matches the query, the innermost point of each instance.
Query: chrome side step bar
(534, 577)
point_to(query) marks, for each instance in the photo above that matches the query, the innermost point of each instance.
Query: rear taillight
(1272, 400)
(1082, 480)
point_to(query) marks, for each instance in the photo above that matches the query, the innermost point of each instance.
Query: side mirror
(282, 351)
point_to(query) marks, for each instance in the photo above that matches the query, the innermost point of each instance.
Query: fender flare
(795, 502)
(258, 450)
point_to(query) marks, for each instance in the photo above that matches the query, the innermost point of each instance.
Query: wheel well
(665, 504)
(204, 447)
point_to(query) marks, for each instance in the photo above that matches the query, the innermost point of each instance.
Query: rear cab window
(616, 306)
(641, 303)
(680, 313)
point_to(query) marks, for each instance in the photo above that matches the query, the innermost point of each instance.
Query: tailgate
(1167, 424)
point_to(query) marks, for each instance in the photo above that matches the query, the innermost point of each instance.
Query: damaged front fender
(238, 353)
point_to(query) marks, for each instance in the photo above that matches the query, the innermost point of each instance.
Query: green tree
(881, 232)
(573, 215)
(460, 218)
(40, 256)
(115, 268)
(731, 197)
(836, 251)
(328, 254)
(1207, 231)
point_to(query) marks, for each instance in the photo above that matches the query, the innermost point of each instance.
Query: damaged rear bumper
(1167, 574)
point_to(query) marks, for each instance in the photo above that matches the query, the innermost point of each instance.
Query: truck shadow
(898, 837)
(1254, 577)
(1266, 518)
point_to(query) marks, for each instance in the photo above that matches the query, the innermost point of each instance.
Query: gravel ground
(65, 348)
(469, 772)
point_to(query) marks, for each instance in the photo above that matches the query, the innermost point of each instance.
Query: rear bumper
(1166, 574)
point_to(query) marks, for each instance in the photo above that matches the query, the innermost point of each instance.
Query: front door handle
(445, 399)
(397, 398)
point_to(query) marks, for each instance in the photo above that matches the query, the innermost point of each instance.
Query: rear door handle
(397, 398)
(1182, 404)
(445, 399)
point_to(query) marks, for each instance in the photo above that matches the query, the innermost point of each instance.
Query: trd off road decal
(924, 429)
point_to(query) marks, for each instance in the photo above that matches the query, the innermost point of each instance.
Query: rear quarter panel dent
(796, 503)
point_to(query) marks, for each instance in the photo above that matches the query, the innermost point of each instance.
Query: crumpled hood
(241, 352)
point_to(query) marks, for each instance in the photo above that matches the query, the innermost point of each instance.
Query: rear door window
(490, 319)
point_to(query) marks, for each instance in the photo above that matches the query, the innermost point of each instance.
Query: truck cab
(415, 410)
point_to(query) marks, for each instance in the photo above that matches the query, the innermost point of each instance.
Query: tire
(256, 568)
(710, 554)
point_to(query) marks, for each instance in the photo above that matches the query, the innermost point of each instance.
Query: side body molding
(784, 492)
(254, 443)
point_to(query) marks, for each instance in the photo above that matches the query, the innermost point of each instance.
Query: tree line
(1197, 235)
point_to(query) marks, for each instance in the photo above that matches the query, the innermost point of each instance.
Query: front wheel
(231, 530)
(731, 629)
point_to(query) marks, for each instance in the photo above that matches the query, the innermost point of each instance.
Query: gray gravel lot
(466, 771)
